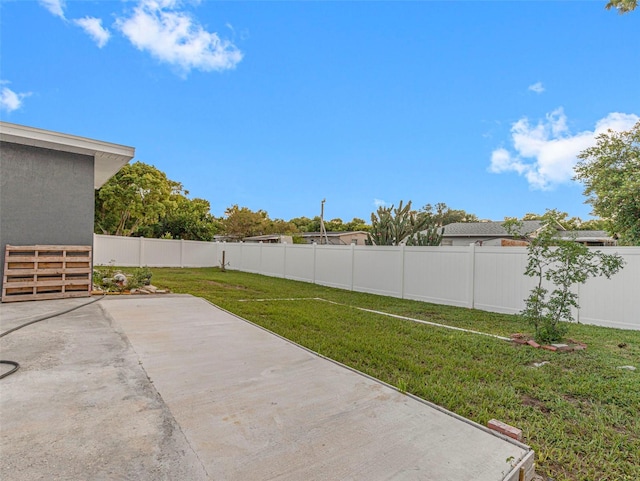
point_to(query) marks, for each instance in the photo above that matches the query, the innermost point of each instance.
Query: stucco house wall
(46, 197)
(47, 184)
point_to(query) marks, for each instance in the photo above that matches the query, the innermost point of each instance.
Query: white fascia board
(109, 158)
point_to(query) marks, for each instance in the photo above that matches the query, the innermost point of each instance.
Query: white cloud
(537, 87)
(93, 27)
(616, 121)
(546, 153)
(502, 161)
(56, 7)
(174, 37)
(10, 100)
(379, 203)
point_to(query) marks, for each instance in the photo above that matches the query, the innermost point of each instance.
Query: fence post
(181, 253)
(402, 271)
(140, 251)
(472, 275)
(353, 263)
(578, 300)
(284, 261)
(315, 245)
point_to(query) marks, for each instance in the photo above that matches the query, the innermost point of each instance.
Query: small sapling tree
(563, 263)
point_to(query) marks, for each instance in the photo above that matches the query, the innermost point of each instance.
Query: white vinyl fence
(486, 278)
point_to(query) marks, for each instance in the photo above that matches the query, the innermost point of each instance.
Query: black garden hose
(11, 363)
(44, 317)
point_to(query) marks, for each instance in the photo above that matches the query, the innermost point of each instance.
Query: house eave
(109, 158)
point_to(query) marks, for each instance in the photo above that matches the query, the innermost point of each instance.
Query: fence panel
(437, 274)
(199, 254)
(378, 270)
(243, 257)
(120, 251)
(272, 263)
(614, 302)
(333, 266)
(499, 282)
(160, 253)
(300, 262)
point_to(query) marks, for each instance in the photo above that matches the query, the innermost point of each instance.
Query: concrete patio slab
(81, 407)
(254, 406)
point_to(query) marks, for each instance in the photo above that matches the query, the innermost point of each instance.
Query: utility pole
(322, 228)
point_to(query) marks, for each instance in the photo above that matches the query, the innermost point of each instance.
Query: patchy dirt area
(535, 403)
(226, 286)
(569, 346)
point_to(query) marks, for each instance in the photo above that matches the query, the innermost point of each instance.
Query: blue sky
(277, 105)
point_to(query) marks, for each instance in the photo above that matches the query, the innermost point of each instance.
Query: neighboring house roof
(225, 238)
(331, 234)
(269, 238)
(263, 237)
(583, 233)
(108, 158)
(587, 236)
(487, 229)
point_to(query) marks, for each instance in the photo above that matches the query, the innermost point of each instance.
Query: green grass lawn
(580, 413)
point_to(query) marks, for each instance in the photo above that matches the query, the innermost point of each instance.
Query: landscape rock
(628, 368)
(540, 364)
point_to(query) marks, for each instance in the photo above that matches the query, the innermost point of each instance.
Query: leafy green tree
(563, 263)
(300, 223)
(136, 197)
(393, 226)
(280, 226)
(594, 224)
(188, 219)
(313, 225)
(569, 223)
(335, 225)
(304, 224)
(298, 239)
(561, 220)
(441, 214)
(357, 224)
(241, 222)
(623, 6)
(610, 171)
